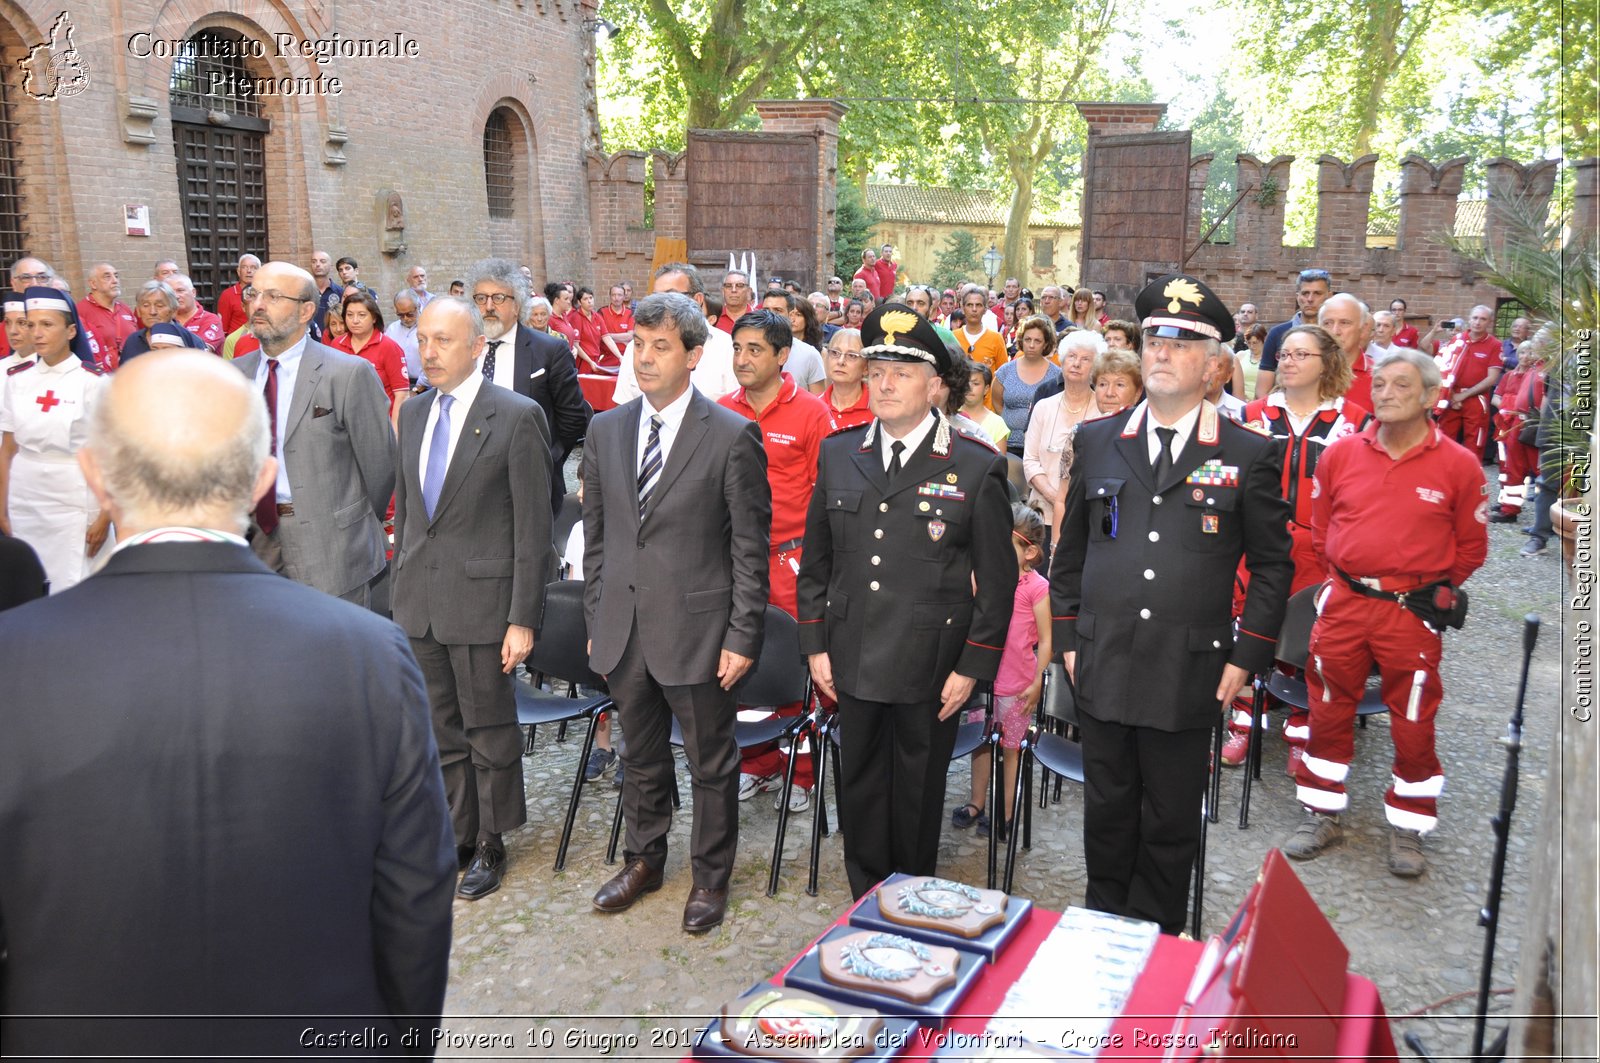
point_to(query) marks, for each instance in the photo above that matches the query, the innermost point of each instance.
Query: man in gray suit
(322, 525)
(472, 555)
(677, 514)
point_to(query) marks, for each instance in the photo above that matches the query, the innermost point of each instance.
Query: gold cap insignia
(896, 321)
(1181, 290)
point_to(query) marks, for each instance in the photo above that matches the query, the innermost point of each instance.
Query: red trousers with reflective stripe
(1351, 632)
(1518, 462)
(769, 759)
(1469, 425)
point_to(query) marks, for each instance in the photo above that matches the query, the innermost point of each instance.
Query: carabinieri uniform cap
(896, 333)
(1180, 307)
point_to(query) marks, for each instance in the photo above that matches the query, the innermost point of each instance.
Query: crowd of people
(946, 489)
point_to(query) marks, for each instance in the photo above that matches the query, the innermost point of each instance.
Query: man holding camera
(1400, 513)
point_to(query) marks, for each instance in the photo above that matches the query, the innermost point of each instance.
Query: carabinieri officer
(1163, 501)
(906, 517)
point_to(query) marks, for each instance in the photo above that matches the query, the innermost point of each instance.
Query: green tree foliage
(958, 262)
(852, 227)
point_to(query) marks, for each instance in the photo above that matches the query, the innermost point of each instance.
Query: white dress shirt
(671, 421)
(712, 376)
(912, 439)
(464, 394)
(505, 359)
(288, 372)
(1184, 427)
(406, 337)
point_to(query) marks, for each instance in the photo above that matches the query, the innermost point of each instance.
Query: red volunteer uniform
(873, 280)
(1521, 394)
(1465, 363)
(588, 329)
(1393, 526)
(230, 308)
(613, 323)
(110, 327)
(886, 277)
(850, 416)
(207, 327)
(792, 429)
(1407, 337)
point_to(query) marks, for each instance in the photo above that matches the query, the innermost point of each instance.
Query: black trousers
(893, 763)
(480, 745)
(705, 714)
(1142, 797)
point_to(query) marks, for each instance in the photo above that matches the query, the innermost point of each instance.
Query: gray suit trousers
(480, 745)
(705, 714)
(284, 544)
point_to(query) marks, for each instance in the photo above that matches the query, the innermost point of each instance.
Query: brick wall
(414, 125)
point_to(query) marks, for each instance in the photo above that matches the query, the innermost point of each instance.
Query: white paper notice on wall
(136, 218)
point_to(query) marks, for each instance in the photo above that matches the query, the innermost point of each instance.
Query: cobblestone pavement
(533, 966)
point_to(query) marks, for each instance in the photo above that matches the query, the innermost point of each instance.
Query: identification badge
(1208, 523)
(936, 530)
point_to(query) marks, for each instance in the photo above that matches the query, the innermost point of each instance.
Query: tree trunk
(1015, 251)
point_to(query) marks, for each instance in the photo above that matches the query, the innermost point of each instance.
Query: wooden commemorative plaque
(930, 903)
(890, 965)
(790, 1024)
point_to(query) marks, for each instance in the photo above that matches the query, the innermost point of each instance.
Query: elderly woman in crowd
(1247, 363)
(846, 397)
(1117, 382)
(156, 304)
(1055, 418)
(1016, 381)
(1122, 336)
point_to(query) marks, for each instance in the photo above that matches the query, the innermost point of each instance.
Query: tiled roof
(948, 206)
(1470, 218)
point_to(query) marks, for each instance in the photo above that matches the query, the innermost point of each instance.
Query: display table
(598, 388)
(1363, 1029)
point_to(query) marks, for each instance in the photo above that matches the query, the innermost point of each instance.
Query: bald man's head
(180, 438)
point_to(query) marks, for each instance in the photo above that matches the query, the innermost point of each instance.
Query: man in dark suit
(472, 555)
(906, 516)
(1163, 501)
(245, 816)
(677, 514)
(321, 524)
(540, 367)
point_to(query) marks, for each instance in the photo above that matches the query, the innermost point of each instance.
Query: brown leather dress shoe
(634, 880)
(705, 909)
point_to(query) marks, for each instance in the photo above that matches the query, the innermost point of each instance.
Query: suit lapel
(1203, 443)
(627, 453)
(411, 442)
(919, 466)
(522, 365)
(305, 385)
(869, 459)
(690, 433)
(1134, 450)
(474, 434)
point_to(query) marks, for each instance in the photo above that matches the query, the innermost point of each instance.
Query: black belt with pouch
(1439, 604)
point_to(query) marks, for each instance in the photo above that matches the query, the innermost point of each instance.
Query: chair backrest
(779, 675)
(1059, 699)
(571, 512)
(1294, 638)
(561, 649)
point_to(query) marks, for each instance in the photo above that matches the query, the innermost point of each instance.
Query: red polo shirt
(230, 308)
(1423, 516)
(589, 327)
(886, 277)
(792, 429)
(206, 327)
(1465, 362)
(850, 416)
(873, 280)
(563, 327)
(111, 327)
(612, 323)
(1406, 337)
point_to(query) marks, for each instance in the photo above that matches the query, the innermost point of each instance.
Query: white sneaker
(750, 785)
(799, 799)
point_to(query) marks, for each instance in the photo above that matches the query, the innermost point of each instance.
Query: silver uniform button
(1144, 614)
(1211, 501)
(873, 585)
(1216, 644)
(1155, 537)
(876, 560)
(877, 533)
(883, 507)
(1156, 500)
(1102, 491)
(1149, 573)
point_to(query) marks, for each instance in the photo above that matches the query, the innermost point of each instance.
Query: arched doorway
(13, 233)
(219, 136)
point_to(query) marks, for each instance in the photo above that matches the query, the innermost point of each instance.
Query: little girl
(1022, 663)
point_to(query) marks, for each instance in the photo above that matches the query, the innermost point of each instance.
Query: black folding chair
(561, 655)
(1059, 757)
(1293, 652)
(780, 676)
(571, 513)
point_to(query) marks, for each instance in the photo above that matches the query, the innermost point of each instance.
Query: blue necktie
(438, 456)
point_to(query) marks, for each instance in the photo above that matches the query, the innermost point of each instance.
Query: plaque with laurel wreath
(890, 964)
(931, 903)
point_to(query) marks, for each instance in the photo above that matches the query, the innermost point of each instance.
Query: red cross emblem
(47, 400)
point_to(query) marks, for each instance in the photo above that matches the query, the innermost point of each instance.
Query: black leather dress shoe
(483, 874)
(464, 855)
(705, 909)
(634, 880)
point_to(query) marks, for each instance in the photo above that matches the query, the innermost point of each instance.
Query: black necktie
(896, 449)
(488, 361)
(1163, 454)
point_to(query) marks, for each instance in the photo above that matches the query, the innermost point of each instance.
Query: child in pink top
(1022, 663)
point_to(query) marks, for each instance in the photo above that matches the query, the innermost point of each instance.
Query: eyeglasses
(497, 298)
(32, 278)
(735, 284)
(274, 297)
(1297, 356)
(834, 354)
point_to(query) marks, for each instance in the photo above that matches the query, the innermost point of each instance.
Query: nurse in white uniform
(44, 420)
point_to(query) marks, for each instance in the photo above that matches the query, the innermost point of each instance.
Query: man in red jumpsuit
(1400, 513)
(1518, 397)
(793, 423)
(1472, 365)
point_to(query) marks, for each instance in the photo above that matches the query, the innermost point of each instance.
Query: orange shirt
(988, 348)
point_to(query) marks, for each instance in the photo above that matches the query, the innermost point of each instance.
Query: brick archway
(527, 230)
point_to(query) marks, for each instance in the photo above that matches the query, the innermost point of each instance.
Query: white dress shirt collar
(912, 439)
(671, 415)
(1184, 427)
(505, 358)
